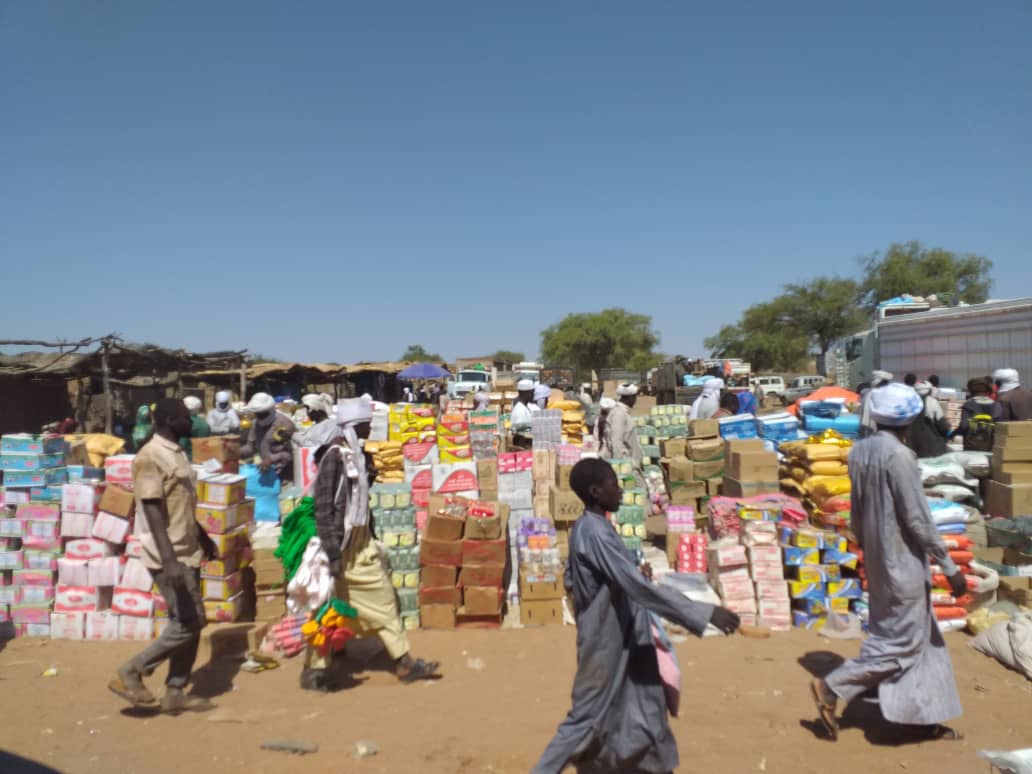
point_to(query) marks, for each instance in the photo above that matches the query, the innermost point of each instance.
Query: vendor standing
(198, 426)
(222, 419)
(522, 411)
(623, 434)
(269, 437)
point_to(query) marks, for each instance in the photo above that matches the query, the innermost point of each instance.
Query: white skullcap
(313, 402)
(193, 403)
(1006, 379)
(894, 405)
(542, 391)
(607, 404)
(261, 401)
(627, 389)
(923, 388)
(222, 396)
(524, 385)
(878, 378)
(353, 411)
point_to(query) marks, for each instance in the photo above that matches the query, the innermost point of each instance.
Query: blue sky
(335, 181)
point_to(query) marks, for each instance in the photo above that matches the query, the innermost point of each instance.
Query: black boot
(315, 680)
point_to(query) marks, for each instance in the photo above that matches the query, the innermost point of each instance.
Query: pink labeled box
(132, 602)
(32, 578)
(34, 595)
(81, 599)
(135, 629)
(111, 528)
(76, 525)
(39, 560)
(67, 626)
(31, 613)
(104, 572)
(80, 498)
(133, 547)
(220, 588)
(118, 469)
(39, 512)
(73, 572)
(102, 626)
(136, 576)
(87, 548)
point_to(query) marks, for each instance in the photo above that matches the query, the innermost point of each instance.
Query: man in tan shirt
(173, 547)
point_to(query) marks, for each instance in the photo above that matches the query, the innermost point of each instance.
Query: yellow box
(803, 539)
(460, 454)
(226, 489)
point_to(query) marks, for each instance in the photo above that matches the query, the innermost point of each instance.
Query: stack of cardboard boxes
(1010, 491)
(393, 516)
(751, 469)
(484, 552)
(453, 439)
(223, 509)
(440, 557)
(541, 588)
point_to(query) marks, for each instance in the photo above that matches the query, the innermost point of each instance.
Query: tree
(416, 353)
(766, 336)
(825, 309)
(912, 268)
(508, 356)
(612, 338)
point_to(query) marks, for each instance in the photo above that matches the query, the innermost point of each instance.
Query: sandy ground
(745, 708)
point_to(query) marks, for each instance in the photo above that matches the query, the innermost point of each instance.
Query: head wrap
(524, 385)
(894, 405)
(1006, 379)
(626, 390)
(261, 402)
(923, 388)
(222, 398)
(354, 411)
(542, 391)
(315, 402)
(193, 403)
(607, 404)
(878, 378)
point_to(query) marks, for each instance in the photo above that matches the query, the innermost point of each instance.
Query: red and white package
(80, 498)
(67, 626)
(87, 548)
(80, 599)
(73, 572)
(104, 572)
(118, 469)
(111, 528)
(132, 602)
(102, 625)
(136, 576)
(76, 525)
(135, 629)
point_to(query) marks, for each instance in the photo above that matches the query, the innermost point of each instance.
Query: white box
(73, 572)
(80, 498)
(105, 572)
(767, 572)
(87, 548)
(76, 525)
(111, 528)
(102, 626)
(136, 576)
(133, 547)
(774, 590)
(35, 595)
(81, 599)
(136, 629)
(37, 630)
(132, 602)
(67, 626)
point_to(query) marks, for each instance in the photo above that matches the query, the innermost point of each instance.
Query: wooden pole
(109, 400)
(243, 379)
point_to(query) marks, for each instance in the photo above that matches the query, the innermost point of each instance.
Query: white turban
(712, 386)
(315, 402)
(627, 389)
(524, 385)
(193, 403)
(607, 404)
(542, 391)
(878, 378)
(354, 411)
(894, 405)
(1006, 379)
(222, 396)
(923, 388)
(261, 401)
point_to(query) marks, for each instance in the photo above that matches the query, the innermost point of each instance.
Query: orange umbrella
(824, 393)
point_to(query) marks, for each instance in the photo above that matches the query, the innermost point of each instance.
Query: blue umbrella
(424, 371)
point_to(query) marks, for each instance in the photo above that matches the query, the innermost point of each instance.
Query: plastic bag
(1009, 643)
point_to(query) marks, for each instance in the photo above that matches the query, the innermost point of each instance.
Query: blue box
(9, 461)
(24, 443)
(35, 478)
(78, 473)
(46, 494)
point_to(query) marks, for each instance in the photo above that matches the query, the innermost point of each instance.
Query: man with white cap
(481, 400)
(867, 425)
(323, 428)
(198, 426)
(708, 403)
(522, 409)
(269, 437)
(223, 419)
(341, 494)
(1014, 400)
(602, 439)
(623, 434)
(541, 395)
(904, 656)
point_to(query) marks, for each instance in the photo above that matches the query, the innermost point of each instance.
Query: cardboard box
(76, 525)
(107, 526)
(79, 498)
(564, 506)
(227, 564)
(482, 575)
(544, 463)
(679, 470)
(743, 445)
(703, 428)
(437, 575)
(443, 552)
(437, 616)
(224, 448)
(484, 551)
(67, 626)
(132, 602)
(753, 466)
(544, 612)
(118, 501)
(226, 611)
(441, 595)
(714, 486)
(221, 588)
(562, 477)
(87, 548)
(734, 488)
(218, 519)
(443, 527)
(487, 473)
(706, 450)
(482, 600)
(457, 477)
(1013, 450)
(102, 626)
(224, 489)
(485, 527)
(533, 591)
(135, 575)
(135, 629)
(73, 572)
(686, 493)
(707, 470)
(1006, 431)
(1009, 500)
(673, 447)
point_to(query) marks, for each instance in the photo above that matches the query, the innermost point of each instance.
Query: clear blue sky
(334, 181)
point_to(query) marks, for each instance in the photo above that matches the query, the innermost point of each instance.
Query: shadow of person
(820, 663)
(15, 764)
(216, 677)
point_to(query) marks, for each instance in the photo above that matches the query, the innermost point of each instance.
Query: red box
(484, 551)
(524, 462)
(437, 575)
(441, 595)
(481, 575)
(507, 463)
(482, 600)
(443, 552)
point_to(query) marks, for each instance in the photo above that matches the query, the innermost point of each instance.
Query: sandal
(827, 711)
(941, 733)
(420, 670)
(138, 697)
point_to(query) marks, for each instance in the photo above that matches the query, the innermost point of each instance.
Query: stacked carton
(223, 509)
(816, 563)
(453, 438)
(1010, 491)
(541, 588)
(484, 553)
(691, 552)
(217, 453)
(728, 565)
(759, 535)
(751, 469)
(395, 525)
(680, 521)
(483, 433)
(707, 457)
(440, 557)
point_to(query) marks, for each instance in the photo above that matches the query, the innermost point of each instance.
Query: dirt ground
(745, 708)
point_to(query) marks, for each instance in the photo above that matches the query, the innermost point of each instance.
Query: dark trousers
(178, 643)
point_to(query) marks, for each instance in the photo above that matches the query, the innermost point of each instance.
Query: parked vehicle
(801, 387)
(772, 386)
(469, 380)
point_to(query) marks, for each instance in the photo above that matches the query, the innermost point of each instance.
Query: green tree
(418, 354)
(508, 356)
(825, 309)
(766, 336)
(612, 338)
(910, 267)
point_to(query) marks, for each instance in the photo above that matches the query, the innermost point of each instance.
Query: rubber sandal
(420, 670)
(137, 698)
(826, 711)
(941, 733)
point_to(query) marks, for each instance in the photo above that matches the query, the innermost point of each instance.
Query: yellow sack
(829, 468)
(822, 488)
(983, 618)
(815, 452)
(99, 446)
(798, 473)
(566, 405)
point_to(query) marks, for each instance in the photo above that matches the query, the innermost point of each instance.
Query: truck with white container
(956, 343)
